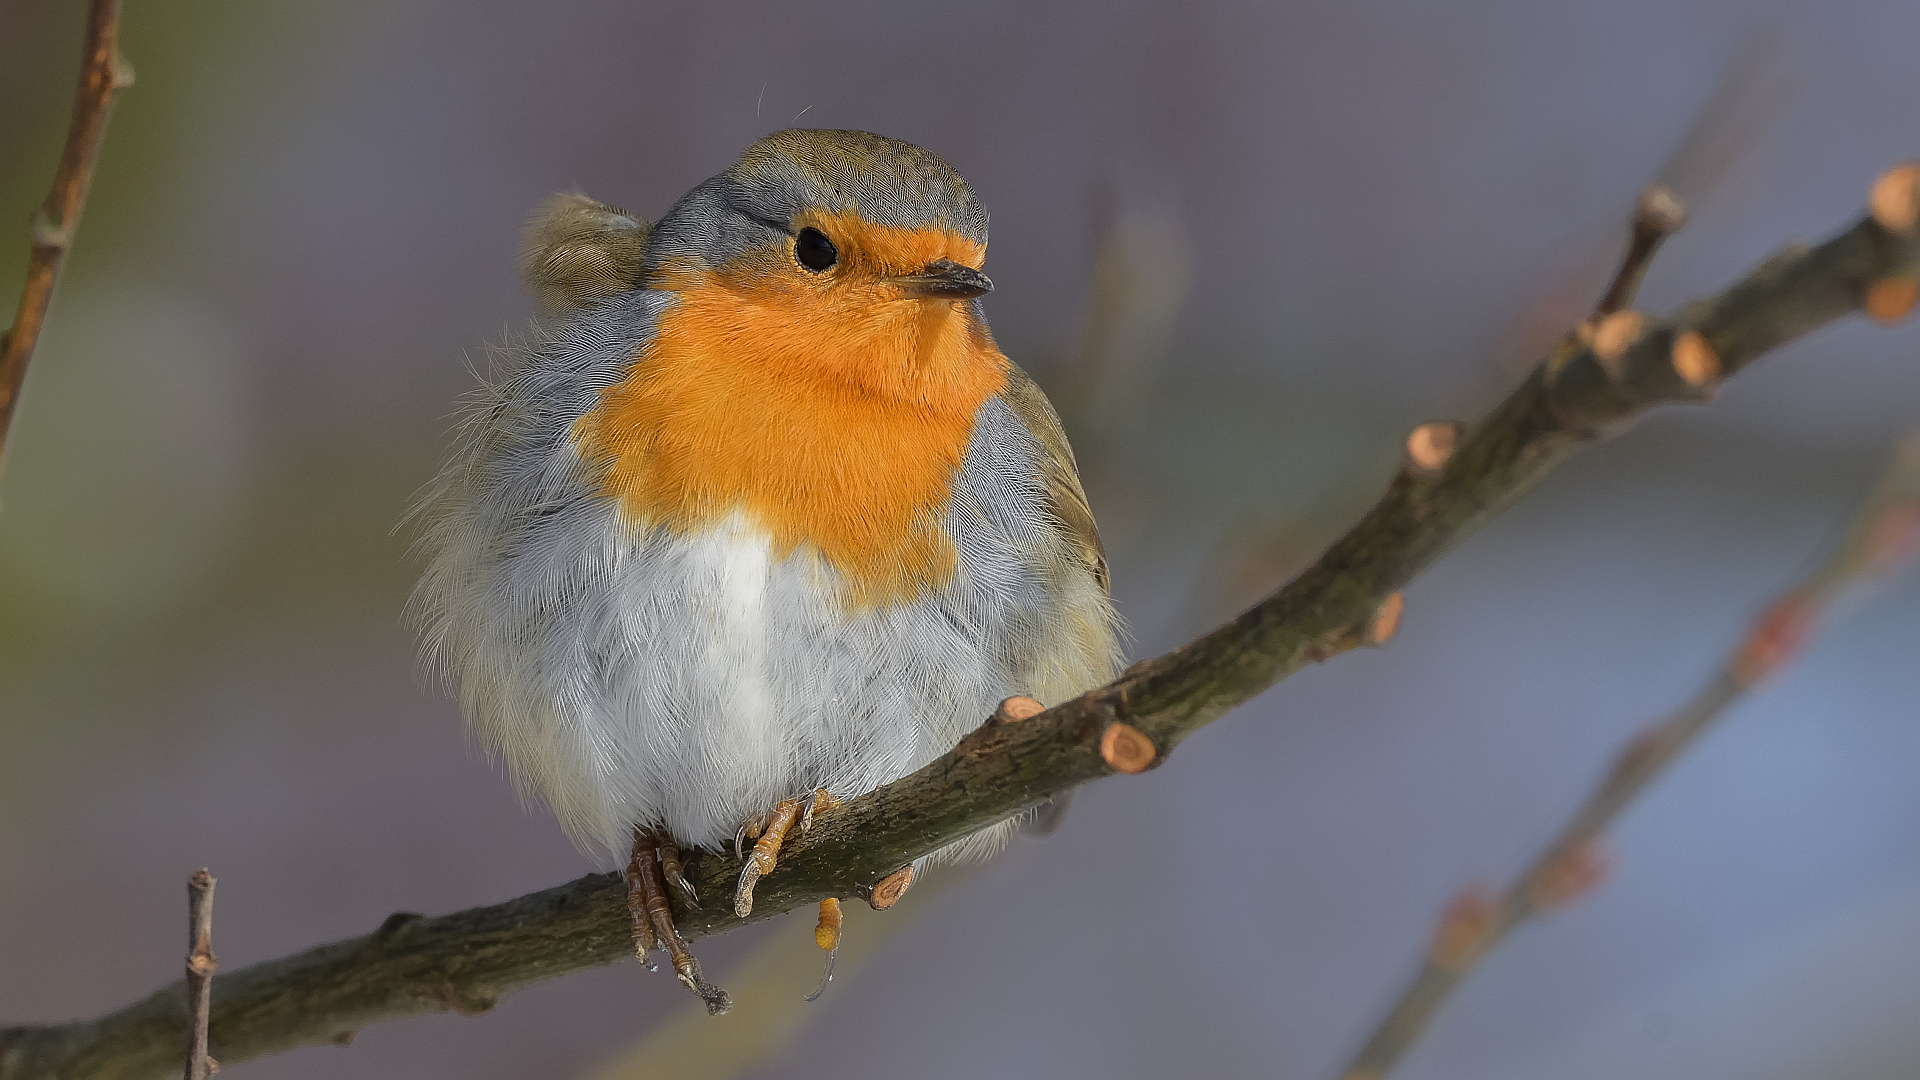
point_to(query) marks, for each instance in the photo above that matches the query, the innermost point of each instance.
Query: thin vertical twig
(201, 964)
(103, 74)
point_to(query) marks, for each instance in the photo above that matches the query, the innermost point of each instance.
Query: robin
(758, 518)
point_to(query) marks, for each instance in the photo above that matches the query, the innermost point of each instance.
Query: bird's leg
(766, 851)
(643, 940)
(646, 881)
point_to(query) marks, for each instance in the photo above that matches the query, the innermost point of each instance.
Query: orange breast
(836, 419)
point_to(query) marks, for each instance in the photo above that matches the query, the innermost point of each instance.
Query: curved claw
(686, 889)
(822, 800)
(825, 977)
(675, 874)
(743, 892)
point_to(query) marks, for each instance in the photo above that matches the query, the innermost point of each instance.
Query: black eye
(814, 250)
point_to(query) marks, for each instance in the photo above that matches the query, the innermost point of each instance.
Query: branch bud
(1775, 637)
(1569, 876)
(1464, 927)
(1659, 210)
(1892, 538)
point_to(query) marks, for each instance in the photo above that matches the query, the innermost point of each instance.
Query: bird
(756, 517)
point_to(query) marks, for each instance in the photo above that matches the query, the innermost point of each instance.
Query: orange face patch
(827, 408)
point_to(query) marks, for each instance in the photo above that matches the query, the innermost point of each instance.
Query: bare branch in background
(1886, 536)
(1142, 274)
(201, 964)
(1761, 83)
(414, 965)
(103, 74)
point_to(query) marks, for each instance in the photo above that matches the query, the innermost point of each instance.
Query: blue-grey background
(1369, 214)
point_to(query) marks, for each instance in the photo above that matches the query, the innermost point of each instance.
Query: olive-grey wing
(1068, 502)
(1066, 499)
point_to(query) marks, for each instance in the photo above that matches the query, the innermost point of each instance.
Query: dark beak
(944, 279)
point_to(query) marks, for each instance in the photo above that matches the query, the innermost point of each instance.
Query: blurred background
(1246, 246)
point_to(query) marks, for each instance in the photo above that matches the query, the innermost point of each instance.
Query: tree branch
(466, 961)
(1886, 534)
(103, 74)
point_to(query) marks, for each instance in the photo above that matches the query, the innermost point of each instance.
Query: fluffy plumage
(576, 251)
(656, 587)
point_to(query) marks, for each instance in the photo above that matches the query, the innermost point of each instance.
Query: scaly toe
(766, 853)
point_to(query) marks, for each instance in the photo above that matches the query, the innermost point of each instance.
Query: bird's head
(857, 233)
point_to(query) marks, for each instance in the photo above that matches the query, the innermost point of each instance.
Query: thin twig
(1657, 215)
(103, 74)
(201, 964)
(1885, 536)
(415, 965)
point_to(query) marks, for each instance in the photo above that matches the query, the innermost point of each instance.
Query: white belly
(733, 681)
(696, 681)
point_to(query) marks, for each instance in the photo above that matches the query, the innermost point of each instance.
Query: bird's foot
(772, 833)
(655, 864)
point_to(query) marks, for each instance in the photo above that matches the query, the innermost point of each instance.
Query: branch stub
(1125, 750)
(1018, 708)
(1891, 299)
(1431, 444)
(888, 890)
(1894, 199)
(1614, 336)
(1386, 620)
(1694, 359)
